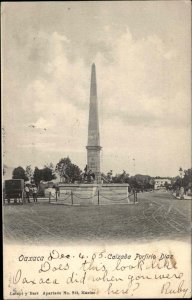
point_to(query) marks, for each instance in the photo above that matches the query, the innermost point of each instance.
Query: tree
(29, 172)
(141, 182)
(167, 185)
(185, 182)
(19, 173)
(187, 179)
(50, 166)
(45, 174)
(37, 176)
(176, 182)
(62, 166)
(135, 183)
(121, 178)
(68, 171)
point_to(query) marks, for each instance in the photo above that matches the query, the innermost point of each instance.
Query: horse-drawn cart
(14, 189)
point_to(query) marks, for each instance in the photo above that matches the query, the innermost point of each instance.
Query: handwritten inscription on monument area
(96, 274)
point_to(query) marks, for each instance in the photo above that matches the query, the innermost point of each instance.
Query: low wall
(93, 194)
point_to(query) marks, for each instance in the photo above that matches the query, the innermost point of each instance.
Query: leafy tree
(152, 182)
(45, 174)
(37, 176)
(141, 182)
(19, 173)
(62, 166)
(29, 172)
(74, 173)
(135, 183)
(68, 171)
(187, 179)
(50, 166)
(176, 182)
(167, 185)
(121, 178)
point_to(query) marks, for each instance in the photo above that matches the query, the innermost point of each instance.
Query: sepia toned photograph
(96, 134)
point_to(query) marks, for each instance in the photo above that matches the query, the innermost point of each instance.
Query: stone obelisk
(93, 145)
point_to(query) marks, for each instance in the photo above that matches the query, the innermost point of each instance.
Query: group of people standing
(31, 191)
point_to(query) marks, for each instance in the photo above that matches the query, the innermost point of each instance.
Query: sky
(142, 52)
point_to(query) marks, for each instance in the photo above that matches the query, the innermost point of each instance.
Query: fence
(94, 195)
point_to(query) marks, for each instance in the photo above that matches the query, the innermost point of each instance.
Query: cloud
(139, 86)
(142, 97)
(42, 123)
(142, 83)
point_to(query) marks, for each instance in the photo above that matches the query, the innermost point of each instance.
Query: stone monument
(93, 146)
(94, 193)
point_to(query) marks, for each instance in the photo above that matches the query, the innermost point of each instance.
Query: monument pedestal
(93, 194)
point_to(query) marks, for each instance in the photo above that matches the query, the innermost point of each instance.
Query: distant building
(160, 183)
